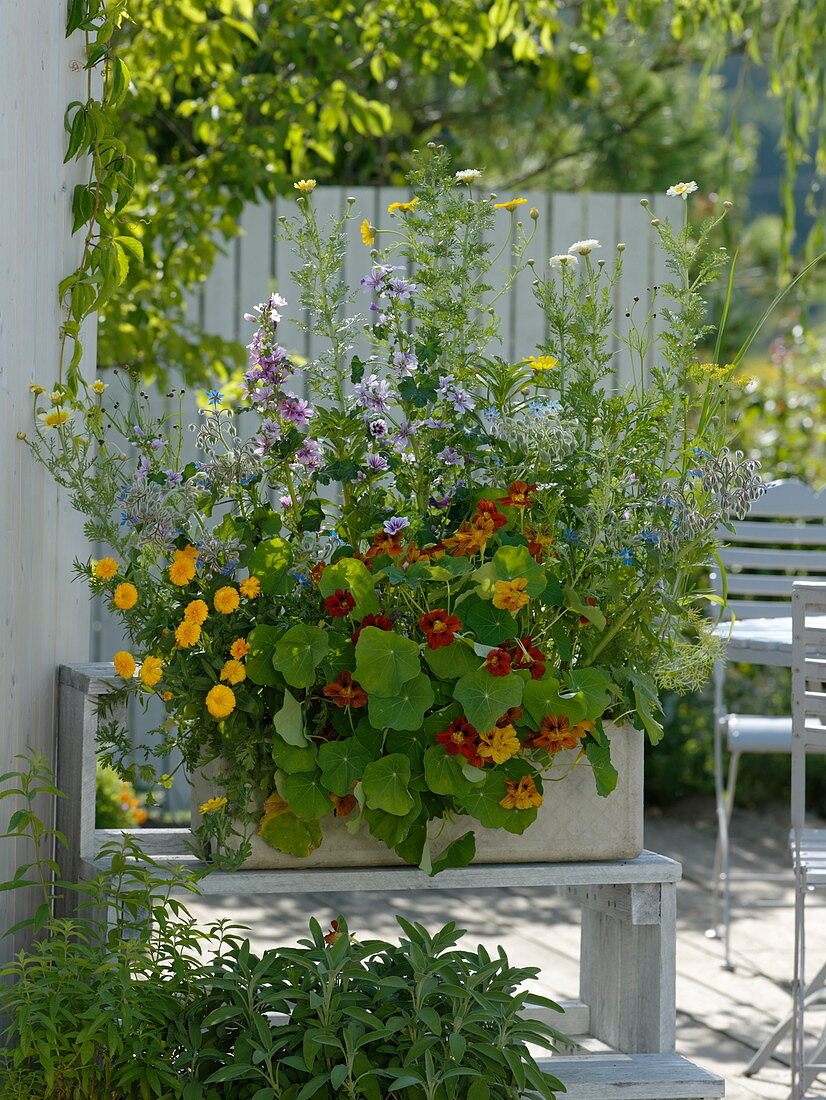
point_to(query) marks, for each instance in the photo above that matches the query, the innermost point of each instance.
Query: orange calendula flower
(556, 733)
(182, 570)
(196, 611)
(368, 233)
(226, 599)
(511, 204)
(124, 664)
(125, 596)
(220, 701)
(234, 672)
(499, 744)
(250, 588)
(439, 627)
(151, 670)
(510, 595)
(519, 495)
(239, 649)
(106, 568)
(345, 691)
(166, 696)
(521, 795)
(187, 634)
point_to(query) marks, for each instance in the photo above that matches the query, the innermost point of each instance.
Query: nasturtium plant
(435, 576)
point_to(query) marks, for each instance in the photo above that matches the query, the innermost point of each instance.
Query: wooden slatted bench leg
(628, 964)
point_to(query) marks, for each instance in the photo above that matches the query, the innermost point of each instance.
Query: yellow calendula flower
(510, 595)
(124, 664)
(305, 186)
(187, 634)
(106, 568)
(368, 233)
(35, 389)
(125, 596)
(182, 570)
(98, 387)
(251, 587)
(212, 804)
(220, 701)
(499, 744)
(187, 552)
(166, 696)
(511, 204)
(239, 649)
(233, 672)
(151, 670)
(402, 207)
(521, 795)
(196, 611)
(226, 600)
(55, 419)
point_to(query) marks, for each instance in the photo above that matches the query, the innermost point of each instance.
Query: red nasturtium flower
(461, 738)
(524, 654)
(341, 603)
(557, 733)
(498, 662)
(380, 621)
(488, 508)
(519, 495)
(439, 627)
(583, 619)
(333, 935)
(345, 691)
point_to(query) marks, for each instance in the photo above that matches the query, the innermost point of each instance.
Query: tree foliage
(231, 100)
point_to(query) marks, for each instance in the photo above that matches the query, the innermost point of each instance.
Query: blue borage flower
(626, 556)
(214, 397)
(571, 536)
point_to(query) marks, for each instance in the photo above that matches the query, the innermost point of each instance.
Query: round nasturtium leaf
(354, 577)
(485, 698)
(543, 697)
(449, 662)
(384, 661)
(342, 763)
(288, 833)
(299, 652)
(271, 561)
(258, 662)
(443, 773)
(491, 625)
(404, 711)
(386, 784)
(307, 796)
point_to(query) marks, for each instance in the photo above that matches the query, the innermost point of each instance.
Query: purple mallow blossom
(377, 428)
(451, 457)
(405, 363)
(376, 279)
(403, 435)
(399, 288)
(451, 392)
(286, 501)
(395, 524)
(296, 409)
(269, 434)
(374, 394)
(377, 463)
(309, 455)
(173, 477)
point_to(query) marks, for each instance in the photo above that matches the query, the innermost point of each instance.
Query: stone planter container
(573, 823)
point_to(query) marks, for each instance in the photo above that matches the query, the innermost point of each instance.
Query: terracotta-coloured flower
(461, 739)
(469, 539)
(345, 691)
(317, 570)
(556, 733)
(341, 603)
(519, 495)
(391, 545)
(488, 508)
(524, 654)
(342, 805)
(499, 744)
(510, 595)
(333, 935)
(521, 795)
(511, 716)
(498, 662)
(540, 545)
(439, 627)
(379, 621)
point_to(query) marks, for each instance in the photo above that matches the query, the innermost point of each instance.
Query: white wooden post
(44, 618)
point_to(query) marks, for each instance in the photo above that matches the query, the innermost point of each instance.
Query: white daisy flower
(681, 190)
(582, 248)
(468, 175)
(563, 260)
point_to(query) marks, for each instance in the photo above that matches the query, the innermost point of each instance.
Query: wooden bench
(626, 1007)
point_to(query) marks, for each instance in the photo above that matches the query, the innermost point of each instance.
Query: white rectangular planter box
(573, 823)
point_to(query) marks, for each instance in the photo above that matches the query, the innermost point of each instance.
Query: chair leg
(725, 791)
(815, 992)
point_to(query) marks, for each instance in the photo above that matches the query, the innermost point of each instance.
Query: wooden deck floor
(721, 1016)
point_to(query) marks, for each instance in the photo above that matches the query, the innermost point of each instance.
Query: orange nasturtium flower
(187, 634)
(124, 664)
(126, 596)
(510, 595)
(250, 588)
(557, 733)
(151, 670)
(343, 804)
(345, 691)
(439, 627)
(499, 744)
(234, 672)
(521, 795)
(196, 611)
(226, 599)
(239, 649)
(519, 495)
(220, 701)
(105, 568)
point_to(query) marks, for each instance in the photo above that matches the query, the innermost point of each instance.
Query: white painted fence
(257, 262)
(43, 615)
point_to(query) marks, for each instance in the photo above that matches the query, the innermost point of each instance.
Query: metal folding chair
(782, 539)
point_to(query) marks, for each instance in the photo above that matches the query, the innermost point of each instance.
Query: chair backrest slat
(808, 696)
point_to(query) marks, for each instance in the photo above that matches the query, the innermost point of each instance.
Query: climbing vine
(99, 202)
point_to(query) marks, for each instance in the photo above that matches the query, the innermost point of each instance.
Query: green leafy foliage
(385, 661)
(299, 652)
(485, 698)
